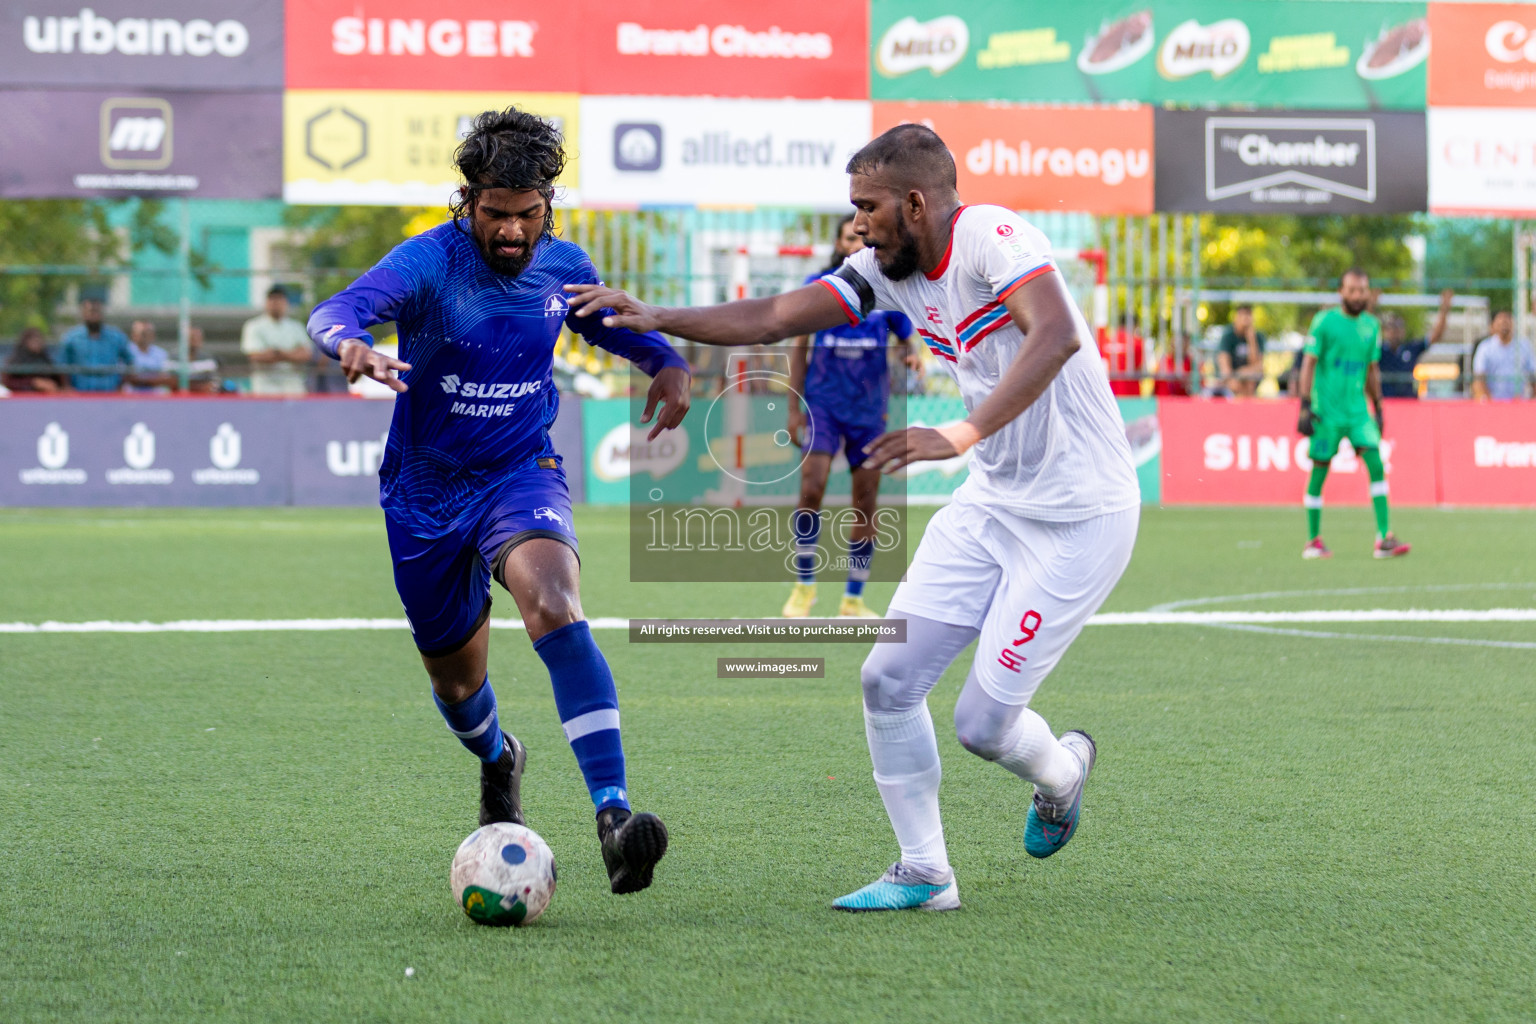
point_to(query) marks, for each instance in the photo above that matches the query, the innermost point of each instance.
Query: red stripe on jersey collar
(938, 271)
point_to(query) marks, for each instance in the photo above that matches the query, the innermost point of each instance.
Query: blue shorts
(445, 582)
(827, 431)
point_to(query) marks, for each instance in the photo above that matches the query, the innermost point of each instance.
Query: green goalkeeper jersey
(1346, 347)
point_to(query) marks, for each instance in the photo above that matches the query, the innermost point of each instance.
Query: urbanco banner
(69, 143)
(660, 150)
(1291, 161)
(396, 148)
(167, 44)
(1482, 161)
(1484, 55)
(215, 451)
(1087, 159)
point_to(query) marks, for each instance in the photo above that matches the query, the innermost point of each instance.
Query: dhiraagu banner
(976, 50)
(1292, 53)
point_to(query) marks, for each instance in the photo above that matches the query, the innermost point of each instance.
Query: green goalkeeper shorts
(1362, 433)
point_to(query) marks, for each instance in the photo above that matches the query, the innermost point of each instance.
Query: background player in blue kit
(471, 487)
(845, 379)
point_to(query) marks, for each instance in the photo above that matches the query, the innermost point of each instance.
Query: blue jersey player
(845, 381)
(472, 489)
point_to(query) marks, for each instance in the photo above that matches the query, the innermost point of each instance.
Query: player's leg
(539, 568)
(943, 600)
(905, 753)
(806, 522)
(861, 538)
(1324, 445)
(1056, 576)
(445, 587)
(1366, 438)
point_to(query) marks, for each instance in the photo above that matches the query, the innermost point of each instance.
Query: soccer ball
(503, 874)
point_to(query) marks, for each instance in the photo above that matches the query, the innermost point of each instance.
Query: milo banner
(1291, 161)
(975, 50)
(1295, 53)
(1266, 53)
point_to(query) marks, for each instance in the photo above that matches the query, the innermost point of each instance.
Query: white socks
(906, 758)
(1034, 754)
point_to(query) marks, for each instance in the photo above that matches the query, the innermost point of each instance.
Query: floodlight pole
(184, 317)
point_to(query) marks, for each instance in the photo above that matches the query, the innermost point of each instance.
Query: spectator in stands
(1399, 356)
(151, 363)
(26, 368)
(97, 353)
(1240, 355)
(278, 347)
(1502, 365)
(202, 372)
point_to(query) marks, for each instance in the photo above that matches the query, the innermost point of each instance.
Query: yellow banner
(396, 148)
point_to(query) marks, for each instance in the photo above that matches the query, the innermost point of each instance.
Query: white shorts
(1027, 585)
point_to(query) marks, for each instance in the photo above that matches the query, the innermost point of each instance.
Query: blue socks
(589, 710)
(473, 721)
(807, 528)
(860, 552)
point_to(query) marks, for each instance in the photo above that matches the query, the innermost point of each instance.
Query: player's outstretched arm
(743, 322)
(1043, 312)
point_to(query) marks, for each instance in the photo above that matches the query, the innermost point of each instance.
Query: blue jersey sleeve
(649, 351)
(391, 291)
(899, 324)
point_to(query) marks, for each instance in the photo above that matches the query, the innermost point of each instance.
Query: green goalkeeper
(1339, 376)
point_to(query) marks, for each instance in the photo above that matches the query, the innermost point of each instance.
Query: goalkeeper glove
(1308, 420)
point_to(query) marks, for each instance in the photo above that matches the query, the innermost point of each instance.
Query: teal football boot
(1052, 821)
(904, 888)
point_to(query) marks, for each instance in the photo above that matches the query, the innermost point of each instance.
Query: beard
(1355, 308)
(903, 260)
(510, 266)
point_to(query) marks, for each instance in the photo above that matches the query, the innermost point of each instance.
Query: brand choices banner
(1290, 161)
(138, 142)
(396, 148)
(1300, 53)
(168, 44)
(1094, 159)
(116, 451)
(696, 151)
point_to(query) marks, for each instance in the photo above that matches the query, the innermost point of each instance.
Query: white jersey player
(1034, 540)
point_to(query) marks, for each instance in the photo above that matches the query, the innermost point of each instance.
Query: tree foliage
(1302, 253)
(334, 244)
(48, 246)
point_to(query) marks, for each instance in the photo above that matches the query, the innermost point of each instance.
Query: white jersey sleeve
(1002, 248)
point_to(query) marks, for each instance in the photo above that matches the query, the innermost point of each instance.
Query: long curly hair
(509, 149)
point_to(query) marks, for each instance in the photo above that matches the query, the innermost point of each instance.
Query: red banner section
(1094, 159)
(809, 49)
(1484, 55)
(803, 49)
(459, 45)
(1248, 453)
(1487, 453)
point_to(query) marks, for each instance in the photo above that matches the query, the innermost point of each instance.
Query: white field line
(1148, 618)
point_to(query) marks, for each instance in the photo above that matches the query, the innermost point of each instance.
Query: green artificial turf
(258, 826)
